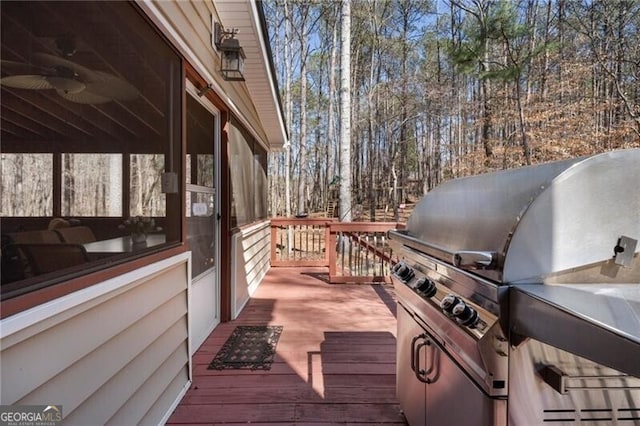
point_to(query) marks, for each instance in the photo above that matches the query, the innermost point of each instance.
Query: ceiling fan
(70, 80)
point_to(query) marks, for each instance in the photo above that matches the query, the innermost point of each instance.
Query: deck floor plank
(335, 360)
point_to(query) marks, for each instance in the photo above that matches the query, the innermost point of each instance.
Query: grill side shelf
(603, 329)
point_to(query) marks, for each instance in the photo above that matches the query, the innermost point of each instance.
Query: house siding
(190, 21)
(118, 352)
(115, 353)
(251, 261)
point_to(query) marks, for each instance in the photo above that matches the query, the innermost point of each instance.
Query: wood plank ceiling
(42, 120)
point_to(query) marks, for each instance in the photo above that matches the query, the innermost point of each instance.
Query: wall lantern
(232, 61)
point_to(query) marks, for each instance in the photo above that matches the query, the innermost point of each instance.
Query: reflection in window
(147, 198)
(260, 195)
(201, 229)
(205, 169)
(187, 169)
(23, 193)
(85, 149)
(92, 185)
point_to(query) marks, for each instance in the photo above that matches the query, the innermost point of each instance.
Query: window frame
(45, 288)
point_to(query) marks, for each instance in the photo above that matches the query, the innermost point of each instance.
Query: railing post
(332, 257)
(274, 243)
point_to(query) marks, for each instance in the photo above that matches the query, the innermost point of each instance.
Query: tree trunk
(332, 170)
(289, 115)
(345, 114)
(302, 147)
(523, 131)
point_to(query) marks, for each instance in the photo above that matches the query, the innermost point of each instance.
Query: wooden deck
(335, 361)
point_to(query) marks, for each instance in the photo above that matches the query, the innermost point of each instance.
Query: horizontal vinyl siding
(257, 254)
(159, 409)
(251, 250)
(172, 367)
(98, 357)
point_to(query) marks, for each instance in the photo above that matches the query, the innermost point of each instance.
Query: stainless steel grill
(519, 296)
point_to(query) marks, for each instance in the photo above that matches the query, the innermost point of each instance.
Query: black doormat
(248, 347)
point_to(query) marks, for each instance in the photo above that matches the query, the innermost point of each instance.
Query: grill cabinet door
(410, 391)
(454, 399)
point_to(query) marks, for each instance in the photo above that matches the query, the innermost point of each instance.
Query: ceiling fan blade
(13, 67)
(67, 85)
(99, 83)
(108, 85)
(26, 82)
(84, 97)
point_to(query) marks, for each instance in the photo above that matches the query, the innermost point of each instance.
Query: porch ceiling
(246, 17)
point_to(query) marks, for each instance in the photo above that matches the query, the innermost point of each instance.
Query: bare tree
(479, 86)
(345, 113)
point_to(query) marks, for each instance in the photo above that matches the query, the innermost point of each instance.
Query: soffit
(244, 16)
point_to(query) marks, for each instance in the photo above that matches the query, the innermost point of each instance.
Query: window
(146, 197)
(248, 162)
(24, 193)
(87, 146)
(92, 185)
(260, 171)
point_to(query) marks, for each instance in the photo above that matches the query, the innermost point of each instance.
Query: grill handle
(469, 259)
(413, 351)
(415, 358)
(475, 259)
(564, 383)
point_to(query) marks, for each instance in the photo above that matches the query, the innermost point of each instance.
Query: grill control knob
(403, 272)
(426, 287)
(465, 315)
(448, 303)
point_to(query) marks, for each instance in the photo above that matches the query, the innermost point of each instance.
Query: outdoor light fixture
(232, 61)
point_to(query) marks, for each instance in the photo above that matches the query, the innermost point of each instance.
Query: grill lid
(533, 224)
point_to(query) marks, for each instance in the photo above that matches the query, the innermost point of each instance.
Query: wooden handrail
(306, 221)
(368, 246)
(355, 227)
(300, 242)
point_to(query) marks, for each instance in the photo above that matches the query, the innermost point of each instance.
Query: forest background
(443, 89)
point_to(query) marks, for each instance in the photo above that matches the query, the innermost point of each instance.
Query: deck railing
(353, 251)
